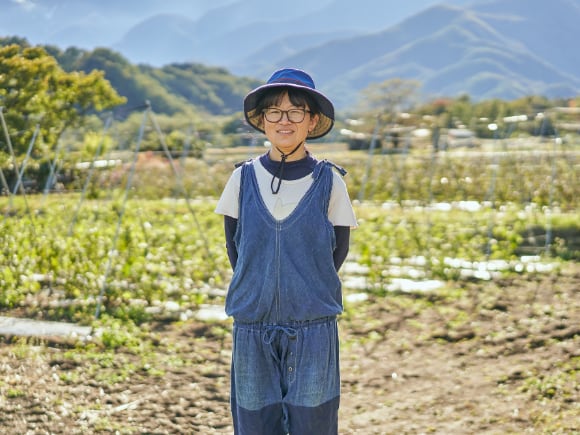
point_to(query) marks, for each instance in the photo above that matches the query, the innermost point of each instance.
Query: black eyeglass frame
(267, 112)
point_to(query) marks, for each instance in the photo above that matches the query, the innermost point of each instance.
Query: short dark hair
(298, 97)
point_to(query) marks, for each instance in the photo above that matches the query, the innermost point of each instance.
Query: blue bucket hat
(297, 79)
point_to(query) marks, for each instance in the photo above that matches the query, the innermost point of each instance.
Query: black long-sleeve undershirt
(342, 235)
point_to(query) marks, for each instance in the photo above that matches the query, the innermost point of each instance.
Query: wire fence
(424, 213)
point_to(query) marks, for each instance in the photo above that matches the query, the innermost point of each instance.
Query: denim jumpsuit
(284, 297)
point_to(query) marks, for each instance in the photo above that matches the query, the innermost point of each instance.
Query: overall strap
(327, 163)
(340, 169)
(246, 166)
(243, 162)
(323, 172)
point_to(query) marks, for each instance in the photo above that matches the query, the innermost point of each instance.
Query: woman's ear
(313, 121)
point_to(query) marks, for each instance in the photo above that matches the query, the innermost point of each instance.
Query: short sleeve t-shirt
(340, 211)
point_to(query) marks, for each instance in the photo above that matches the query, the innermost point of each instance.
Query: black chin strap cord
(280, 171)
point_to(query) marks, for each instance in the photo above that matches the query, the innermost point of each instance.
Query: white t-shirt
(340, 212)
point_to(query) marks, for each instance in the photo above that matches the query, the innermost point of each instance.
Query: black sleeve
(342, 245)
(342, 235)
(230, 225)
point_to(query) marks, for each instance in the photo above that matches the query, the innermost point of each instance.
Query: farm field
(480, 358)
(461, 299)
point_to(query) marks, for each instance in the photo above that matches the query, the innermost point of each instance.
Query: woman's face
(284, 134)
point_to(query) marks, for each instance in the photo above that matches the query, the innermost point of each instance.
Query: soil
(497, 357)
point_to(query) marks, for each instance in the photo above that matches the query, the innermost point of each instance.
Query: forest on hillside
(63, 98)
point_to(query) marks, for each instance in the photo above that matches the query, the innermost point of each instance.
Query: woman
(287, 224)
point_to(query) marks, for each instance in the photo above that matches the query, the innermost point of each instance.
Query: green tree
(35, 90)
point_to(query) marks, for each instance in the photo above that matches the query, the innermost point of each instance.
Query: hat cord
(280, 172)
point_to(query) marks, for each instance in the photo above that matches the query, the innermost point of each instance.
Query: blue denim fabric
(284, 296)
(285, 269)
(285, 377)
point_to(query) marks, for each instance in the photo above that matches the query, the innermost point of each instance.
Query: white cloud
(26, 4)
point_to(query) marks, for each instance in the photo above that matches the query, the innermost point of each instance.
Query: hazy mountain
(218, 32)
(485, 48)
(549, 30)
(160, 40)
(230, 35)
(88, 23)
(455, 51)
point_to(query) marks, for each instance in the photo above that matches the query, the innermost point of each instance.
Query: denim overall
(284, 297)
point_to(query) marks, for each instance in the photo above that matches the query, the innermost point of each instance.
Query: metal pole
(10, 148)
(551, 197)
(121, 214)
(361, 193)
(25, 162)
(5, 183)
(90, 174)
(433, 161)
(52, 171)
(491, 191)
(180, 184)
(16, 169)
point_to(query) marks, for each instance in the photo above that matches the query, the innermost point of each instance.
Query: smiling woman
(287, 221)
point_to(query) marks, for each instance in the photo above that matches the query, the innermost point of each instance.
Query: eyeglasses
(295, 116)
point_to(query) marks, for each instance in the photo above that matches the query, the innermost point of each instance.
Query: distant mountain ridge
(230, 34)
(455, 51)
(485, 49)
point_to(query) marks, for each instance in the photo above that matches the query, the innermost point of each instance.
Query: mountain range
(485, 49)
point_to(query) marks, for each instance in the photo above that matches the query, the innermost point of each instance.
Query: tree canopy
(36, 91)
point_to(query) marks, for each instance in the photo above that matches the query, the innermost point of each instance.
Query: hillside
(210, 57)
(174, 88)
(485, 49)
(455, 51)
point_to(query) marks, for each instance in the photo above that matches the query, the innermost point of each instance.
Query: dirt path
(482, 358)
(481, 376)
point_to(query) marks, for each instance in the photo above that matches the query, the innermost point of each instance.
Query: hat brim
(326, 115)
